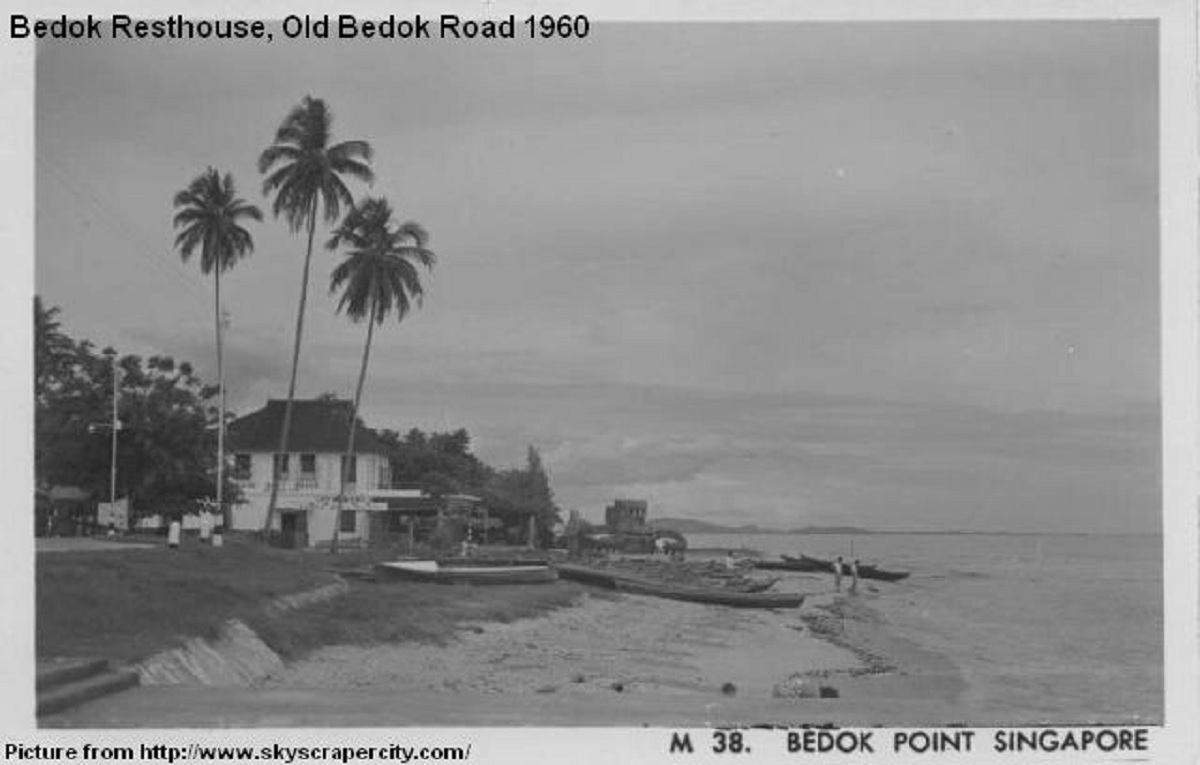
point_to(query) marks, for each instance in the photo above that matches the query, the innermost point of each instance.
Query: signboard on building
(114, 514)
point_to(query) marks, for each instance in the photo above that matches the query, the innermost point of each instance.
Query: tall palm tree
(305, 173)
(379, 276)
(210, 214)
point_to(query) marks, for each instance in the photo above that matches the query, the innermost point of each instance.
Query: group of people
(839, 567)
(668, 547)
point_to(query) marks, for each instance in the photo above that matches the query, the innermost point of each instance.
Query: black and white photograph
(527, 368)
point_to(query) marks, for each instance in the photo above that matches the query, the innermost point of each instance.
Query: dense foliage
(165, 457)
(442, 463)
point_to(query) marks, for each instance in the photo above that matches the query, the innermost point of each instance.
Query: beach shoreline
(628, 660)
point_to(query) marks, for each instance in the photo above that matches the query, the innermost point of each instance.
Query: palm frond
(303, 167)
(379, 275)
(208, 211)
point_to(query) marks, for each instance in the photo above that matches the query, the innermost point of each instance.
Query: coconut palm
(210, 214)
(379, 276)
(305, 173)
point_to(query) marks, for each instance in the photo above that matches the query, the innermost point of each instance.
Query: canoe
(883, 575)
(433, 571)
(461, 561)
(808, 563)
(675, 591)
(788, 563)
(755, 585)
(711, 595)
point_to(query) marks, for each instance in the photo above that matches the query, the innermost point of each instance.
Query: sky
(895, 275)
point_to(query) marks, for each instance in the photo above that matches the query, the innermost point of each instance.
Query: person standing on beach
(837, 574)
(854, 576)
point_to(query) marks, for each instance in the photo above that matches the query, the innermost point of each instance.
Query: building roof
(318, 425)
(69, 494)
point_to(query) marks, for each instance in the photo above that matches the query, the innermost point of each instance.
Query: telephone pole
(222, 323)
(115, 427)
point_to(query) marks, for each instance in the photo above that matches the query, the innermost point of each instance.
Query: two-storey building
(309, 474)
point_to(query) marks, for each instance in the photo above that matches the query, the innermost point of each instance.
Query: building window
(241, 467)
(281, 465)
(307, 479)
(350, 469)
(349, 521)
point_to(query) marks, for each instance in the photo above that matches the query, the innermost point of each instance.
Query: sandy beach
(611, 660)
(628, 644)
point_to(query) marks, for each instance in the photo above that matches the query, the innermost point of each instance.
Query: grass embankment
(126, 605)
(395, 612)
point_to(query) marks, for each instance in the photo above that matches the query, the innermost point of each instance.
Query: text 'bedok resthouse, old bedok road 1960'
(306, 27)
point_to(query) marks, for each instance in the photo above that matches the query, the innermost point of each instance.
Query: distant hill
(831, 530)
(692, 526)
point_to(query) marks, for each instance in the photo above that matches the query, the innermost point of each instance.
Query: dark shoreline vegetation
(128, 605)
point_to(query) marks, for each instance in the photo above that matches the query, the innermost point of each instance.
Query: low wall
(237, 656)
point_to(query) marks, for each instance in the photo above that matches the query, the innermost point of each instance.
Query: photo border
(1176, 741)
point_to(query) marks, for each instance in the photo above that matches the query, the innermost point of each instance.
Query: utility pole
(115, 427)
(222, 323)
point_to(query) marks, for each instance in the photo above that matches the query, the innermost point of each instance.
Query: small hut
(72, 512)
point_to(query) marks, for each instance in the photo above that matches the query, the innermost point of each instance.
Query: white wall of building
(318, 501)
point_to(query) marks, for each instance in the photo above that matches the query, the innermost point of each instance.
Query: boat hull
(791, 564)
(472, 574)
(806, 563)
(878, 574)
(708, 595)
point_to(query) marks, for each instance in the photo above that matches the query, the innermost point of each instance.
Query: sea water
(1045, 628)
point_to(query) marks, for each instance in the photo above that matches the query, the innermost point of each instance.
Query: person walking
(837, 574)
(173, 533)
(854, 576)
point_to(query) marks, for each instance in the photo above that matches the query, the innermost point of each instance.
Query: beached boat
(883, 575)
(788, 563)
(676, 591)
(808, 563)
(482, 572)
(757, 585)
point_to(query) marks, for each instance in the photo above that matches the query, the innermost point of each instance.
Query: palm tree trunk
(362, 376)
(225, 514)
(285, 431)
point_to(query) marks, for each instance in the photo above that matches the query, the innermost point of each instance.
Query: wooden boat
(676, 591)
(481, 572)
(883, 575)
(755, 585)
(459, 560)
(789, 563)
(809, 563)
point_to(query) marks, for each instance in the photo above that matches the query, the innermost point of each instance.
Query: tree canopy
(442, 463)
(165, 456)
